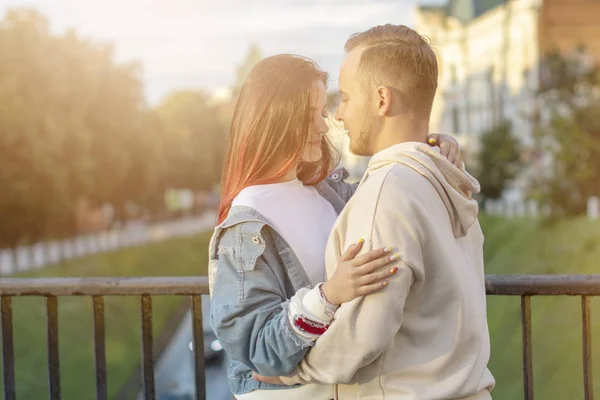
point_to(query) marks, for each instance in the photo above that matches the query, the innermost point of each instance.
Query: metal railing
(97, 288)
(549, 285)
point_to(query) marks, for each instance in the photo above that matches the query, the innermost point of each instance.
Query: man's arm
(365, 327)
(362, 331)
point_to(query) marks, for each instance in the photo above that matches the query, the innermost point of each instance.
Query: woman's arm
(249, 313)
(251, 316)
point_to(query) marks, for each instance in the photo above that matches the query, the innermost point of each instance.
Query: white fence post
(593, 207)
(39, 255)
(532, 208)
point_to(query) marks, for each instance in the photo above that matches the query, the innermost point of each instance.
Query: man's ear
(384, 100)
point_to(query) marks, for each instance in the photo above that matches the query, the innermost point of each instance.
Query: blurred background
(114, 119)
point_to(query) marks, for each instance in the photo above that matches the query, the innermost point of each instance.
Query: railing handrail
(104, 286)
(515, 285)
(543, 285)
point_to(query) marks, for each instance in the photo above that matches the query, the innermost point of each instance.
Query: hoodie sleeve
(365, 327)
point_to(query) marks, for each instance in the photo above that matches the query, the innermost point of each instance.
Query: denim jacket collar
(240, 214)
(252, 221)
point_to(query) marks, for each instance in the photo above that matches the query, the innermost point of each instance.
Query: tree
(194, 140)
(75, 129)
(498, 160)
(569, 133)
(33, 181)
(73, 125)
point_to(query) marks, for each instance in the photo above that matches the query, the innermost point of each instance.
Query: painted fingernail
(393, 270)
(360, 240)
(432, 141)
(386, 283)
(387, 249)
(394, 257)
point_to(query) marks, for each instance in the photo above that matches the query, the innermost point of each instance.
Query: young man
(425, 335)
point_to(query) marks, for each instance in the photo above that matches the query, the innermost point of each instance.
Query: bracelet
(329, 309)
(309, 326)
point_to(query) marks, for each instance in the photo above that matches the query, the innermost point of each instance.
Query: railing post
(527, 351)
(588, 385)
(198, 332)
(99, 347)
(53, 360)
(8, 353)
(147, 348)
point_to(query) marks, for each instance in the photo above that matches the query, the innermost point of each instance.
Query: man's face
(355, 108)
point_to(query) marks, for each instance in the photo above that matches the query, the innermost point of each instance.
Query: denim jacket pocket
(250, 244)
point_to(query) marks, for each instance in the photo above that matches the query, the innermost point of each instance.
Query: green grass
(176, 257)
(527, 246)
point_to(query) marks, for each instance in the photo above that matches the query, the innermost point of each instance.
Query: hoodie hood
(455, 186)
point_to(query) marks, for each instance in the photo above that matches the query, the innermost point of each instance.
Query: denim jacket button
(335, 176)
(255, 240)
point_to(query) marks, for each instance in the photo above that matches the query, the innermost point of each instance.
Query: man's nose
(338, 115)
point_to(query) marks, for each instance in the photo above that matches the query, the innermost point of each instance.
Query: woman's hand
(360, 276)
(449, 147)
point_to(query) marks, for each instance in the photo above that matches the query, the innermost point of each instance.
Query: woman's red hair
(270, 127)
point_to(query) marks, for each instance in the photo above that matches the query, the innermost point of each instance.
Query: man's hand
(273, 380)
(449, 147)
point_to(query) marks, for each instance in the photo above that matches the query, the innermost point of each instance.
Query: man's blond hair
(398, 57)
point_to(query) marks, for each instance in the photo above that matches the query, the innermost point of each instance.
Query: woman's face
(318, 99)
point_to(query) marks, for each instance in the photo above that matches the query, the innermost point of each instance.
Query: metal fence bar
(527, 350)
(53, 360)
(543, 285)
(198, 333)
(588, 384)
(135, 286)
(147, 352)
(511, 285)
(99, 347)
(8, 352)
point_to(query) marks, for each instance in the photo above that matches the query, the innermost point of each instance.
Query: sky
(198, 44)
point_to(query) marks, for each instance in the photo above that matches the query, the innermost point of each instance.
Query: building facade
(488, 64)
(490, 55)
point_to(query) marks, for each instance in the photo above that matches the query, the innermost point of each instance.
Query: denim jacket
(253, 274)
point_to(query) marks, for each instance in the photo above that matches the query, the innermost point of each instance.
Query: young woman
(277, 209)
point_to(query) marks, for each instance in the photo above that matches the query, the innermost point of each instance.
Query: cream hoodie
(425, 336)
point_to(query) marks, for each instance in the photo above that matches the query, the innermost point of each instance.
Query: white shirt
(300, 215)
(304, 219)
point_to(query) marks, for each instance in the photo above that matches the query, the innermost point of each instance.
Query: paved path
(174, 372)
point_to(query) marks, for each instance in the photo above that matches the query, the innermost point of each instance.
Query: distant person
(425, 336)
(267, 255)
